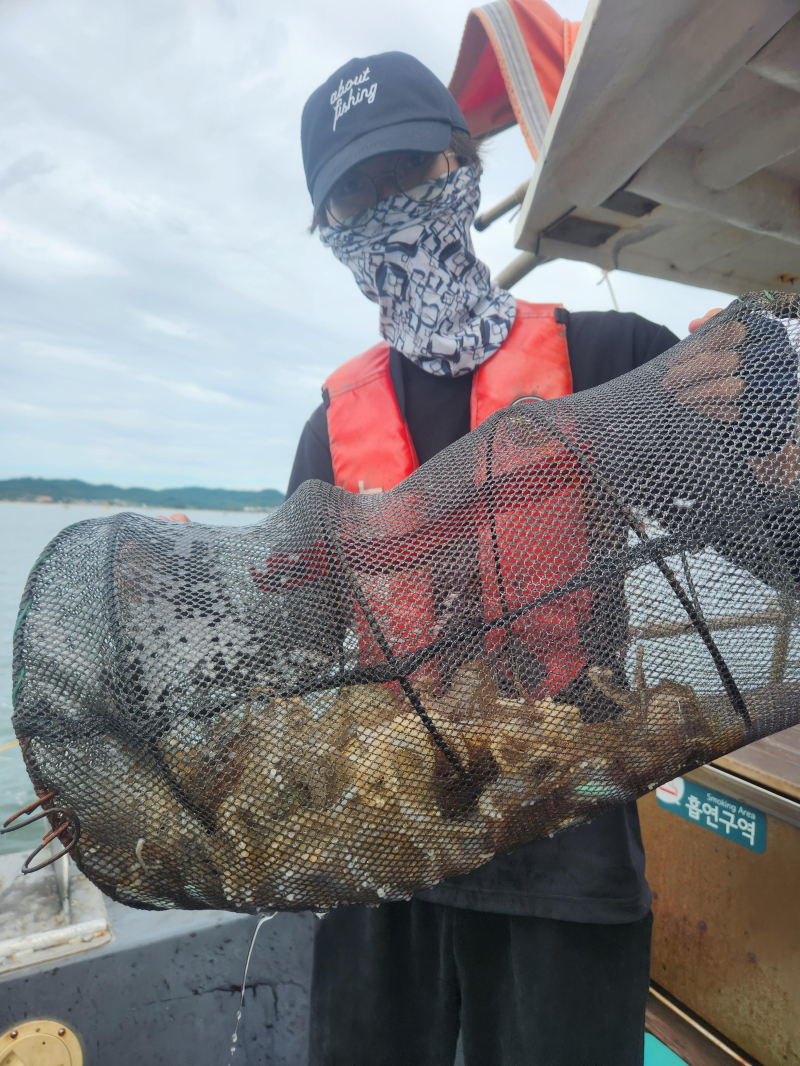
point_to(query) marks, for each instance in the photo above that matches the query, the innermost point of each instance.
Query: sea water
(25, 528)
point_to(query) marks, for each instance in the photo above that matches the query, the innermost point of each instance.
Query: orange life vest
(371, 447)
(539, 538)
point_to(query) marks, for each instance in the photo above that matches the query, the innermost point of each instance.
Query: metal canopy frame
(673, 149)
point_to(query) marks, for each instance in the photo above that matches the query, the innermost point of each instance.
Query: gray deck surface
(166, 991)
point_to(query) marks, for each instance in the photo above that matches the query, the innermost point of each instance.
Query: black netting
(363, 695)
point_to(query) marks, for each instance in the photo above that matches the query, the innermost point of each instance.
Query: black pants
(394, 984)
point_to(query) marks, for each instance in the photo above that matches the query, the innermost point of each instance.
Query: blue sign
(721, 814)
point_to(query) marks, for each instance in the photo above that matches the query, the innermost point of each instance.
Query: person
(541, 955)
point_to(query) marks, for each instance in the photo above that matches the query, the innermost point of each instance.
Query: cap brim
(426, 136)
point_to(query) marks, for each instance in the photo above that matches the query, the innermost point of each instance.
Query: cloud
(24, 169)
(29, 248)
(171, 327)
(165, 316)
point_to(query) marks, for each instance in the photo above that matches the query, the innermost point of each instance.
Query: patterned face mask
(438, 305)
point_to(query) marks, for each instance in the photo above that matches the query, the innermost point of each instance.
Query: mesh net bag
(363, 695)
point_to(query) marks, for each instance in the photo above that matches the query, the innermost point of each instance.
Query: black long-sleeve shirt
(595, 872)
(601, 345)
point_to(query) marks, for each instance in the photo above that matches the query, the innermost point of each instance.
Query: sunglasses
(420, 176)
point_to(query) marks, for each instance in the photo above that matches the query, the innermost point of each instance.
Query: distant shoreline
(139, 506)
(69, 492)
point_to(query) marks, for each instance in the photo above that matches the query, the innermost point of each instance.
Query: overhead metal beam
(645, 70)
(518, 268)
(779, 59)
(765, 203)
(758, 133)
(485, 220)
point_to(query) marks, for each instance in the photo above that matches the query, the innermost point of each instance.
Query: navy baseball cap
(385, 103)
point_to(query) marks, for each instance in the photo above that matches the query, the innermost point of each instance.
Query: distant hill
(57, 490)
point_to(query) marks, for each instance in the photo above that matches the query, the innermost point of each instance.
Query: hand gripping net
(363, 695)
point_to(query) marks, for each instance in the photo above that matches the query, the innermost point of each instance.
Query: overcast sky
(165, 317)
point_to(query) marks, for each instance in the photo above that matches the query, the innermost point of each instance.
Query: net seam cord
(401, 678)
(647, 552)
(728, 682)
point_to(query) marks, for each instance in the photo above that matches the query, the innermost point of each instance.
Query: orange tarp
(492, 80)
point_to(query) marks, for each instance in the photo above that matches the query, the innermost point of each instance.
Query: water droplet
(235, 1037)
